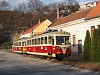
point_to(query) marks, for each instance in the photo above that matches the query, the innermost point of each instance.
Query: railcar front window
(62, 40)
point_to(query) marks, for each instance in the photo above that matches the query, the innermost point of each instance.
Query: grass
(95, 66)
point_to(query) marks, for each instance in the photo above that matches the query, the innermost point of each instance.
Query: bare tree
(35, 5)
(1, 26)
(69, 2)
(4, 5)
(22, 7)
(52, 6)
(69, 6)
(15, 36)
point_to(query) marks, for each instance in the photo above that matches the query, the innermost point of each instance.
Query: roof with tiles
(72, 17)
(95, 12)
(33, 28)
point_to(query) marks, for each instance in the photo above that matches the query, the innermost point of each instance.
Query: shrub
(87, 47)
(95, 46)
(6, 45)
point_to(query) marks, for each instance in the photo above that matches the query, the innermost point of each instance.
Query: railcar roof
(56, 32)
(52, 33)
(47, 34)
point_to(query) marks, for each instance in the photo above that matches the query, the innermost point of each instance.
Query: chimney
(57, 12)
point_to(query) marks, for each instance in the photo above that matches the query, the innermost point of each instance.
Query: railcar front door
(24, 47)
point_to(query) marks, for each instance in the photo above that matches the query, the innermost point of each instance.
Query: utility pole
(32, 27)
(57, 7)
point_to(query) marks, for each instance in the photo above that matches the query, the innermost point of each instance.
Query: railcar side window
(45, 40)
(33, 41)
(19, 43)
(29, 42)
(38, 41)
(41, 40)
(25, 43)
(51, 40)
(22, 43)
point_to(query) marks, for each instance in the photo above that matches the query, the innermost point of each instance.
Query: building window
(74, 40)
(98, 26)
(92, 29)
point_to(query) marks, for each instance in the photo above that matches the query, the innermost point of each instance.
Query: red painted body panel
(42, 49)
(17, 49)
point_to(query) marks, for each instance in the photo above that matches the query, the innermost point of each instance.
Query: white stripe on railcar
(17, 51)
(44, 54)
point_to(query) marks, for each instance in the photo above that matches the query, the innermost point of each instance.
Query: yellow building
(36, 29)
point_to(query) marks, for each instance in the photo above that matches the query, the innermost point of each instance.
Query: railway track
(55, 60)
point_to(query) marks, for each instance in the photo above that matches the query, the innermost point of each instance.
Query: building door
(79, 46)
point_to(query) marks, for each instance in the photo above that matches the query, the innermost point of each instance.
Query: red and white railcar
(50, 44)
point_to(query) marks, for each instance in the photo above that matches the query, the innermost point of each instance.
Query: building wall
(78, 28)
(88, 5)
(42, 27)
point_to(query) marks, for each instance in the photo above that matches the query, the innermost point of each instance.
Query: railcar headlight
(59, 48)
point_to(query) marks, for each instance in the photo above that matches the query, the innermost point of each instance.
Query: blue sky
(80, 1)
(15, 2)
